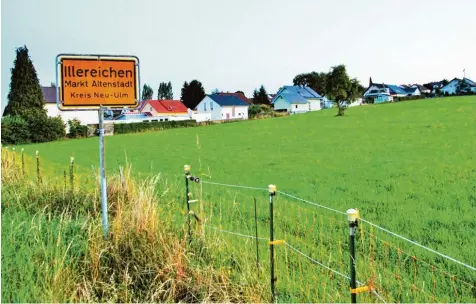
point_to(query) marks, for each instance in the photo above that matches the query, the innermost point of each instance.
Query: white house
(221, 107)
(422, 89)
(413, 91)
(297, 99)
(459, 85)
(85, 117)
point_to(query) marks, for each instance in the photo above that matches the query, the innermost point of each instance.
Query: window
(161, 119)
(211, 105)
(166, 119)
(296, 106)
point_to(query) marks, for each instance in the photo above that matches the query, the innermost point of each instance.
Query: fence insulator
(359, 289)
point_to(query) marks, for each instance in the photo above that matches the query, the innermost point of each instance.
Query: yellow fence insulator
(359, 289)
(277, 242)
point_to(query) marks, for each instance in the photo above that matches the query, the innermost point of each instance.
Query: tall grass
(53, 249)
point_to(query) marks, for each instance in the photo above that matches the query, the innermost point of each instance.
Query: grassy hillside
(402, 157)
(408, 166)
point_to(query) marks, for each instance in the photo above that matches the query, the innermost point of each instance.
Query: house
(165, 110)
(377, 89)
(221, 107)
(457, 85)
(85, 117)
(413, 91)
(297, 99)
(434, 86)
(422, 89)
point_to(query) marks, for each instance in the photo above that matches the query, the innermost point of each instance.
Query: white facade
(199, 117)
(216, 112)
(297, 108)
(86, 117)
(416, 93)
(422, 89)
(282, 103)
(314, 104)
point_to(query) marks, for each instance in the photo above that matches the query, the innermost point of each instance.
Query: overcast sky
(239, 45)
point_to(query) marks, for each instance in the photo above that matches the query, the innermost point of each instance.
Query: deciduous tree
(341, 89)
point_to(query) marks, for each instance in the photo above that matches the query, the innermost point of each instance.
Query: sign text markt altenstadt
(91, 82)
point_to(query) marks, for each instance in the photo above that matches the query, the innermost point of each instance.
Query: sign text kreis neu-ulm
(111, 82)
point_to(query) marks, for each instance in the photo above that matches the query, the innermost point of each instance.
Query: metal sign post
(102, 172)
(97, 83)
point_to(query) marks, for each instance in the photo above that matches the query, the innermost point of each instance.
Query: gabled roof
(394, 89)
(420, 87)
(300, 94)
(294, 98)
(469, 81)
(239, 95)
(410, 90)
(227, 100)
(167, 106)
(49, 94)
(304, 91)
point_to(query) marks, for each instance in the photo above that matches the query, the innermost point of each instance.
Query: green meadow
(409, 167)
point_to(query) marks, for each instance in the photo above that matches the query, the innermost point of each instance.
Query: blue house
(296, 99)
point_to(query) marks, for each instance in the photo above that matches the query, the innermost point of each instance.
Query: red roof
(239, 95)
(167, 106)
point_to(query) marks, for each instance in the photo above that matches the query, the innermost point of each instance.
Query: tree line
(25, 118)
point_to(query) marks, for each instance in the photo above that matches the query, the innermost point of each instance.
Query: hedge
(122, 128)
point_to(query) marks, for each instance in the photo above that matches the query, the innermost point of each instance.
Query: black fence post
(272, 193)
(352, 216)
(187, 195)
(187, 198)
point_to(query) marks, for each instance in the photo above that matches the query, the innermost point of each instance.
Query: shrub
(44, 128)
(122, 128)
(76, 130)
(260, 110)
(15, 130)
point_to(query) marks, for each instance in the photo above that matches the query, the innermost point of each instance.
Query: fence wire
(325, 237)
